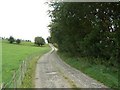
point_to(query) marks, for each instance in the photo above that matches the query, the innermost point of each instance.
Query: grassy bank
(13, 55)
(108, 75)
(28, 81)
(0, 61)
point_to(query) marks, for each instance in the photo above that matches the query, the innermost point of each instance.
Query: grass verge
(107, 75)
(0, 61)
(14, 54)
(28, 81)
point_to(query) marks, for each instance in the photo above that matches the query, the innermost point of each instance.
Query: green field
(108, 75)
(0, 61)
(13, 55)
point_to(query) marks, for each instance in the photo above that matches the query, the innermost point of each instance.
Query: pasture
(14, 54)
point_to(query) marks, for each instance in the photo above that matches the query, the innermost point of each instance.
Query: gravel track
(52, 72)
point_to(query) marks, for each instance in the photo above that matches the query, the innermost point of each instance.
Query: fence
(18, 75)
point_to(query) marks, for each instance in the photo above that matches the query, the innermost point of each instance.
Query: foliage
(39, 41)
(49, 40)
(11, 39)
(106, 74)
(87, 29)
(18, 41)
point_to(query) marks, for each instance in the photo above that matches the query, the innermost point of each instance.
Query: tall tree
(87, 29)
(11, 39)
(39, 41)
(49, 40)
(18, 41)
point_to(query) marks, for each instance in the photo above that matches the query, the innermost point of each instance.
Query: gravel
(52, 72)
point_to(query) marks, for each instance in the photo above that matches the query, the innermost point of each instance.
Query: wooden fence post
(21, 72)
(23, 68)
(14, 80)
(1, 86)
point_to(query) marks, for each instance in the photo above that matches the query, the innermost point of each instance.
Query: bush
(18, 41)
(39, 41)
(11, 39)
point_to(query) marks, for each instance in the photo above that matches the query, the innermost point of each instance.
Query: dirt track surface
(52, 72)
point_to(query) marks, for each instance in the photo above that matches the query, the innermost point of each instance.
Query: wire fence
(18, 75)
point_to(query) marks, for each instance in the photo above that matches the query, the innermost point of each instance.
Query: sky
(24, 19)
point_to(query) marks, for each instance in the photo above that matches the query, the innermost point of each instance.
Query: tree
(2, 38)
(39, 41)
(18, 41)
(11, 39)
(87, 29)
(49, 40)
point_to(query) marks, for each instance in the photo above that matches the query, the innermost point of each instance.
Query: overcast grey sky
(24, 19)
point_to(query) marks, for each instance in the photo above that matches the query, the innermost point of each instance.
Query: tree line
(38, 40)
(11, 40)
(87, 29)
